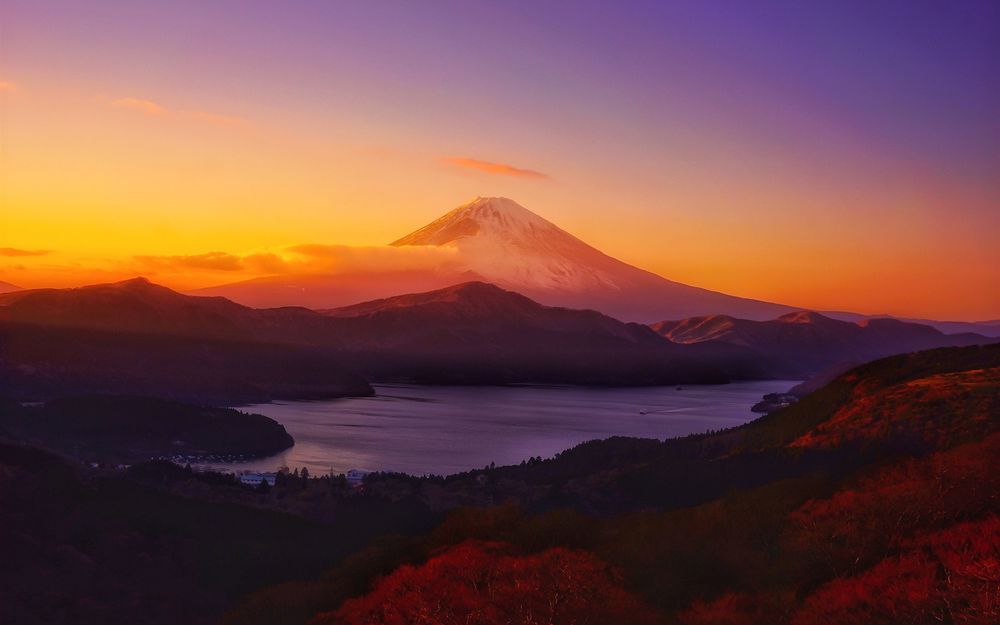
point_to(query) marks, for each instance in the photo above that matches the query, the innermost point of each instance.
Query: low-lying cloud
(303, 259)
(16, 252)
(499, 169)
(262, 262)
(349, 259)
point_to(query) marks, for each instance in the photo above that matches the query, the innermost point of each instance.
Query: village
(254, 479)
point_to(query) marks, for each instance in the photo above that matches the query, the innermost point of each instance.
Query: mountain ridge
(814, 341)
(472, 333)
(476, 322)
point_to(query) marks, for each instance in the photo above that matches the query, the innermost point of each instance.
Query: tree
(490, 583)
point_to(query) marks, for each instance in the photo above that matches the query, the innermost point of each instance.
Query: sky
(828, 155)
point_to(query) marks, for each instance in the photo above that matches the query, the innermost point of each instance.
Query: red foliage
(950, 576)
(736, 609)
(857, 525)
(488, 583)
(943, 410)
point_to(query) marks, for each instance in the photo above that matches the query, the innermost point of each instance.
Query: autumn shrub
(865, 521)
(490, 583)
(948, 576)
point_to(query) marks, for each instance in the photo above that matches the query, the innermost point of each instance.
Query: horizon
(205, 145)
(795, 311)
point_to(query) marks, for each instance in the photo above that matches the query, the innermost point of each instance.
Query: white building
(254, 479)
(356, 476)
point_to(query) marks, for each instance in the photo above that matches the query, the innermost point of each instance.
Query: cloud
(13, 251)
(299, 260)
(315, 258)
(265, 262)
(499, 169)
(145, 106)
(156, 109)
(6, 85)
(209, 261)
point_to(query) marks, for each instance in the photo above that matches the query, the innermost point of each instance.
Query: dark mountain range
(140, 306)
(480, 333)
(469, 333)
(464, 313)
(808, 342)
(138, 338)
(990, 328)
(476, 309)
(39, 362)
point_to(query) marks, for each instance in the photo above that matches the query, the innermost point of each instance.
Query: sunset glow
(204, 143)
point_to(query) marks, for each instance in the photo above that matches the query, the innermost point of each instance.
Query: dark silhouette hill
(808, 342)
(122, 429)
(467, 333)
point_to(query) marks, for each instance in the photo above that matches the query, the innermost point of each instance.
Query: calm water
(443, 430)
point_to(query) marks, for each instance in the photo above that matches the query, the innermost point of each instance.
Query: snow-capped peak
(482, 217)
(508, 244)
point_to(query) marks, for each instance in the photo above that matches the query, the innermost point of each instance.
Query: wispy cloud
(6, 85)
(13, 251)
(315, 258)
(499, 169)
(138, 104)
(263, 262)
(156, 109)
(298, 259)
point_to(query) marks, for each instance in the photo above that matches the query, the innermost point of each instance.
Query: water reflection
(442, 430)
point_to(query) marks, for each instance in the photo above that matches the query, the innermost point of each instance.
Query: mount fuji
(507, 244)
(496, 240)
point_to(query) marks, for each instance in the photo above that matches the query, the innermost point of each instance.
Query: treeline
(126, 429)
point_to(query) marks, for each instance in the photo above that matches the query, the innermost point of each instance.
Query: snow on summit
(508, 244)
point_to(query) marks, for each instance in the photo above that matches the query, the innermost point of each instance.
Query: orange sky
(120, 157)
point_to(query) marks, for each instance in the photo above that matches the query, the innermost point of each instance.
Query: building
(356, 476)
(251, 478)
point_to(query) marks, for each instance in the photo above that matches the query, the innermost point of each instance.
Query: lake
(447, 429)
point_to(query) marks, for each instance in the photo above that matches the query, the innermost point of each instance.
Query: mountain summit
(495, 239)
(483, 216)
(505, 243)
